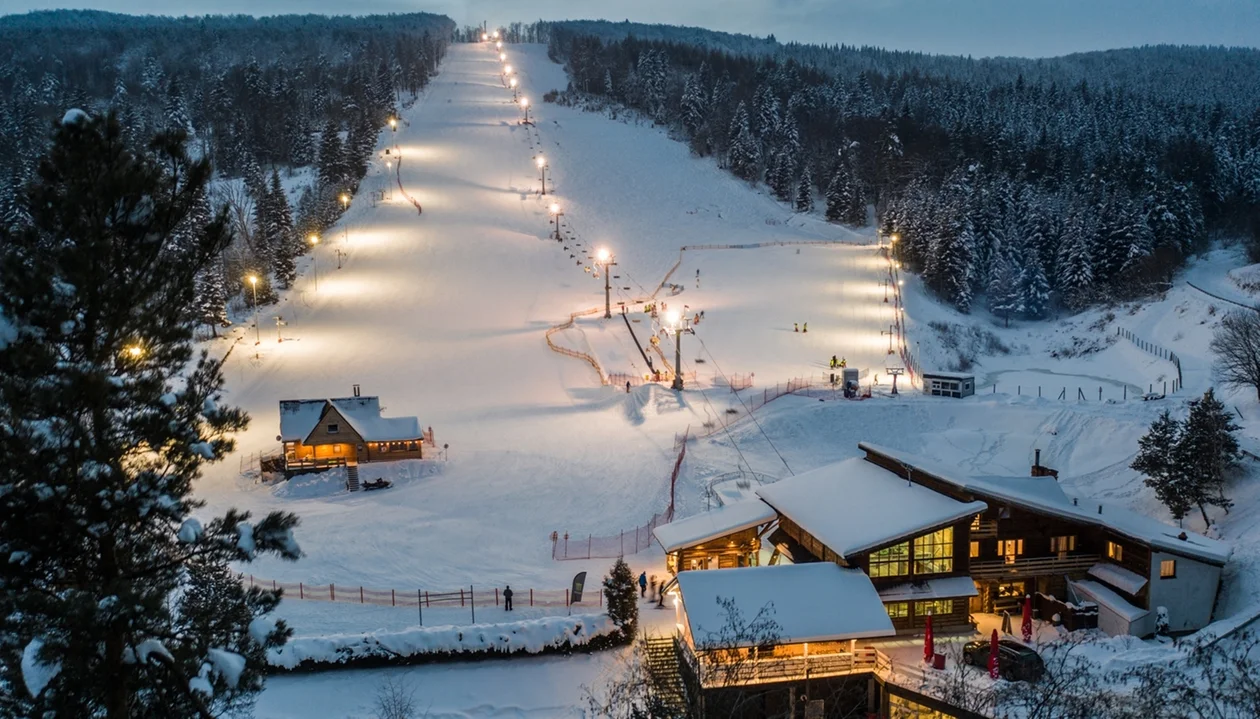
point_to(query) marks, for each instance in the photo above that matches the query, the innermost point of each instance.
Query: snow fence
(549, 635)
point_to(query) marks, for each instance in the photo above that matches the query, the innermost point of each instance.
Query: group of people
(803, 327)
(841, 363)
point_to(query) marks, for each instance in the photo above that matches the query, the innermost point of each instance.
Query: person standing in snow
(805, 327)
(796, 327)
(507, 598)
(627, 386)
(643, 585)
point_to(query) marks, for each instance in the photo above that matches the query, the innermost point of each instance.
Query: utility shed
(949, 384)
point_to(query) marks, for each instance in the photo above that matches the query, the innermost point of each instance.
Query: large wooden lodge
(913, 539)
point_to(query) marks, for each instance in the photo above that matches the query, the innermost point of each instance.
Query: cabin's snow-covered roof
(706, 526)
(1118, 577)
(854, 506)
(815, 602)
(950, 375)
(1045, 495)
(943, 588)
(1105, 597)
(364, 415)
(298, 417)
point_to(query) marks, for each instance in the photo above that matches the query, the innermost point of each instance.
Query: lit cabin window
(1009, 549)
(975, 549)
(337, 448)
(893, 561)
(898, 610)
(1115, 551)
(1168, 569)
(333, 428)
(935, 606)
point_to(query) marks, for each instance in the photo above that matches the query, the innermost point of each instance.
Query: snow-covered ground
(443, 315)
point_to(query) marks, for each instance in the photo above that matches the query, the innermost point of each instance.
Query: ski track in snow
(443, 315)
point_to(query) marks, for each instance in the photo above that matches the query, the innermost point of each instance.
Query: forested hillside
(1075, 179)
(260, 97)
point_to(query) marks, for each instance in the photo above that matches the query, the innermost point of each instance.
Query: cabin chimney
(356, 390)
(1182, 536)
(1074, 501)
(1100, 509)
(1038, 470)
(1037, 458)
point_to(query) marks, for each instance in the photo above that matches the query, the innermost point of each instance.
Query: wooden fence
(630, 541)
(467, 597)
(1156, 350)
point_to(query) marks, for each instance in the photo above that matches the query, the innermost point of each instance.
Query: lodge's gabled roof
(707, 526)
(1044, 495)
(855, 506)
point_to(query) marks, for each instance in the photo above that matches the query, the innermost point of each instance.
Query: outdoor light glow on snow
(443, 315)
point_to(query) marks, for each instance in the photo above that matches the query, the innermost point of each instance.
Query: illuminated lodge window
(1009, 549)
(975, 549)
(934, 553)
(898, 610)
(1115, 551)
(893, 561)
(1063, 545)
(1168, 569)
(936, 607)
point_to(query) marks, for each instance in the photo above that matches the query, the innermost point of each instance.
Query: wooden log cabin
(322, 433)
(1033, 537)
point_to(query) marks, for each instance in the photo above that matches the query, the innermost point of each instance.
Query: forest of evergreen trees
(258, 97)
(1073, 180)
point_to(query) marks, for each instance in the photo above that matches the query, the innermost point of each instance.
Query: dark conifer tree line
(1020, 182)
(257, 97)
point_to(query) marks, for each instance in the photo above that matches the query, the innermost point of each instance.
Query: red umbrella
(993, 656)
(928, 649)
(1025, 628)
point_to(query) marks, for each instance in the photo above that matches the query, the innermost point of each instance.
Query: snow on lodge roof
(298, 418)
(855, 506)
(1045, 495)
(817, 602)
(706, 526)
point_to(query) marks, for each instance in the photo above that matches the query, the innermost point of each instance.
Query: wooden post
(360, 594)
(420, 607)
(472, 603)
(461, 596)
(496, 596)
(426, 599)
(531, 597)
(393, 600)
(332, 592)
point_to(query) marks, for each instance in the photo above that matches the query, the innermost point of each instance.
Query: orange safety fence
(466, 597)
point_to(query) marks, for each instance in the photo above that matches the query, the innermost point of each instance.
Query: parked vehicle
(1016, 661)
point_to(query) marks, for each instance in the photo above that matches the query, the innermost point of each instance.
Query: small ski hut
(949, 384)
(322, 433)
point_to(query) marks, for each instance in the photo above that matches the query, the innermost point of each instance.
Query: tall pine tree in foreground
(622, 598)
(1208, 452)
(114, 601)
(1157, 459)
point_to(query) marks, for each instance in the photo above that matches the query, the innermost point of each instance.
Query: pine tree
(1034, 288)
(101, 451)
(838, 193)
(176, 109)
(1003, 289)
(694, 109)
(288, 246)
(1208, 451)
(805, 192)
(332, 171)
(745, 154)
(622, 599)
(1157, 459)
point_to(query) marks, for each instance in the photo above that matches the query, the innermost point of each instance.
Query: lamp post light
(557, 212)
(484, 37)
(542, 172)
(676, 325)
(314, 240)
(345, 205)
(279, 323)
(498, 45)
(607, 260)
(512, 84)
(253, 282)
(135, 351)
(393, 126)
(496, 36)
(503, 57)
(525, 107)
(340, 255)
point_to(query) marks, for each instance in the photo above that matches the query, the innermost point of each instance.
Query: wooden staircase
(352, 476)
(663, 669)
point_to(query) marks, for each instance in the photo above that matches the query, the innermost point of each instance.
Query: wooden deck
(772, 670)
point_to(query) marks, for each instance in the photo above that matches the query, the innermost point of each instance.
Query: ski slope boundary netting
(466, 597)
(630, 541)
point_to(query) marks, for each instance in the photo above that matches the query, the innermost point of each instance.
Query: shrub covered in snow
(427, 644)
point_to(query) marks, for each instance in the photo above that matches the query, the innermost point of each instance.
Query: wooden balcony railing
(770, 670)
(1033, 566)
(984, 530)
